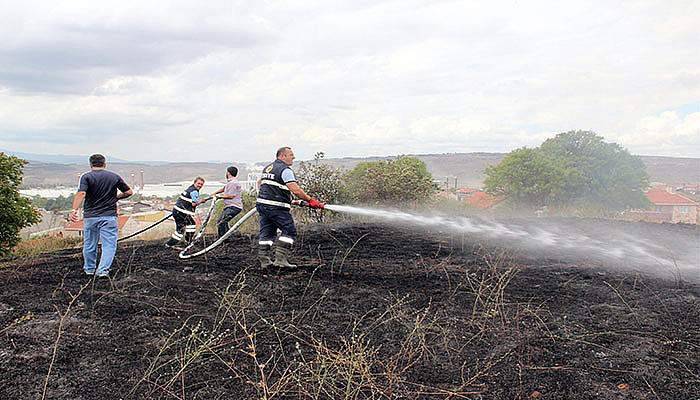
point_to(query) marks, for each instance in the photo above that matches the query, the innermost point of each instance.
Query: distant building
(465, 193)
(73, 229)
(477, 198)
(689, 189)
(668, 207)
(673, 207)
(134, 207)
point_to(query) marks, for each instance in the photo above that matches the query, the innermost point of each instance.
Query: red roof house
(675, 207)
(77, 226)
(477, 198)
(483, 200)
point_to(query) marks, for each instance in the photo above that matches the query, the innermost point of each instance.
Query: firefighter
(277, 184)
(183, 213)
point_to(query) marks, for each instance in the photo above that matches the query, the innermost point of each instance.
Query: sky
(234, 80)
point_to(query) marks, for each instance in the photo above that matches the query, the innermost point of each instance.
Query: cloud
(72, 47)
(236, 80)
(668, 133)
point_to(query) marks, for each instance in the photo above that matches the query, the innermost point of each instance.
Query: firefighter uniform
(273, 204)
(183, 213)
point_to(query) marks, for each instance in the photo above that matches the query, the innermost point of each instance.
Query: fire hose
(230, 232)
(221, 239)
(170, 214)
(202, 227)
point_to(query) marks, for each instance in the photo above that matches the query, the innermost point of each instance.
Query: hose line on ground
(202, 227)
(170, 214)
(221, 239)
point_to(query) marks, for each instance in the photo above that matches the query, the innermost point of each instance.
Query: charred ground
(376, 312)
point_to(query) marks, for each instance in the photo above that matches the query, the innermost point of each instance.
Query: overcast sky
(234, 80)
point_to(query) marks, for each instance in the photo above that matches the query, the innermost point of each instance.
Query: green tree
(16, 212)
(403, 180)
(60, 203)
(600, 173)
(526, 177)
(576, 168)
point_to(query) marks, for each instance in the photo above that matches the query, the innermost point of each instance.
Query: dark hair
(97, 160)
(281, 150)
(199, 178)
(232, 170)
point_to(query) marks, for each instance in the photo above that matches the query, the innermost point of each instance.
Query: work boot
(265, 256)
(282, 253)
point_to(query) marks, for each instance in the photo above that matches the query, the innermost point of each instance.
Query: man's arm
(77, 203)
(197, 200)
(298, 191)
(219, 194)
(124, 195)
(124, 189)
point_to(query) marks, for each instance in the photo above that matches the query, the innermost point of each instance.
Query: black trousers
(273, 218)
(185, 227)
(227, 215)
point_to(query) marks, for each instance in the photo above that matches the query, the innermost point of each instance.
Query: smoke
(664, 250)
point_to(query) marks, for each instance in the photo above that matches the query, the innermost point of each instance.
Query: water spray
(624, 249)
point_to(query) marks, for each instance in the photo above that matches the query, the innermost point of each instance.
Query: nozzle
(300, 203)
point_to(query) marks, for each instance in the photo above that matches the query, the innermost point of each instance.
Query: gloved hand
(313, 203)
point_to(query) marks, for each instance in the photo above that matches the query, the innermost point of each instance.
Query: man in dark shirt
(277, 184)
(98, 188)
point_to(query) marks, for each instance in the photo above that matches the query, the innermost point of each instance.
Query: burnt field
(376, 312)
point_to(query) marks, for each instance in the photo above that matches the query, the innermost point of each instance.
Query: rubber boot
(172, 242)
(265, 256)
(282, 253)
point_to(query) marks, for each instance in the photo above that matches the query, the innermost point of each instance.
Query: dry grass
(33, 247)
(354, 367)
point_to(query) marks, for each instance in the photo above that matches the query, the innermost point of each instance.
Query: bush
(321, 181)
(16, 212)
(395, 182)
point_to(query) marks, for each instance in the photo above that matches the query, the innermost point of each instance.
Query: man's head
(286, 155)
(198, 182)
(231, 172)
(97, 161)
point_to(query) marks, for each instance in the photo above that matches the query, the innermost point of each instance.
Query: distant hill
(468, 168)
(55, 158)
(38, 174)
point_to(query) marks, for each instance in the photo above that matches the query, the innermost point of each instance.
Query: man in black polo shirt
(98, 188)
